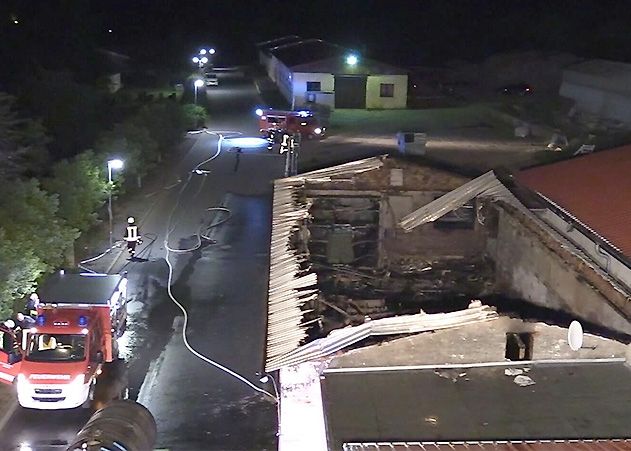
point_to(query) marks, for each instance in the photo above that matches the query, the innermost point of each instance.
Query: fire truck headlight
(78, 381)
(23, 386)
(317, 130)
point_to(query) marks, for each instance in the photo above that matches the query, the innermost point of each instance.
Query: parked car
(211, 80)
(517, 89)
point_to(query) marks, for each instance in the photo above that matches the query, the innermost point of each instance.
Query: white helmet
(9, 323)
(131, 220)
(20, 317)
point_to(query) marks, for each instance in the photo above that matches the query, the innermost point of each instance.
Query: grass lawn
(439, 119)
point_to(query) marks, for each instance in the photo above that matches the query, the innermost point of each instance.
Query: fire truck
(55, 363)
(302, 122)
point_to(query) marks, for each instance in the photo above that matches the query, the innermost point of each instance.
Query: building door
(350, 91)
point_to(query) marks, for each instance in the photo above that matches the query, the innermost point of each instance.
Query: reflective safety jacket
(131, 233)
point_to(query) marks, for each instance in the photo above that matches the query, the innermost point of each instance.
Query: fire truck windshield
(55, 348)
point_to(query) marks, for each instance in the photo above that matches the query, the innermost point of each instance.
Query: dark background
(61, 33)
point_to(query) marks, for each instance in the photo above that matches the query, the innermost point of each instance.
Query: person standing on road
(238, 151)
(132, 236)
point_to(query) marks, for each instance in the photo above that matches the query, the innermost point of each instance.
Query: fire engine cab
(302, 122)
(55, 363)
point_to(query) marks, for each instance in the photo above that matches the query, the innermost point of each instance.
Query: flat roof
(79, 288)
(567, 401)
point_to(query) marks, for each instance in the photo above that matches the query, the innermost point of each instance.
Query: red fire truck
(303, 122)
(55, 364)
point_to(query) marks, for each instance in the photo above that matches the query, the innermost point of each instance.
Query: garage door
(350, 91)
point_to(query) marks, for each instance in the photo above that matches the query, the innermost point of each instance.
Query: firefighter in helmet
(132, 236)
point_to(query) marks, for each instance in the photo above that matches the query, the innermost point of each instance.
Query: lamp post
(111, 164)
(265, 379)
(198, 84)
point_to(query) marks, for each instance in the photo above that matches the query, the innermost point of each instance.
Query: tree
(165, 122)
(134, 145)
(28, 217)
(81, 188)
(22, 142)
(19, 271)
(195, 116)
(33, 240)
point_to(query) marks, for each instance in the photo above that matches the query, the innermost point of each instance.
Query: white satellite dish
(575, 335)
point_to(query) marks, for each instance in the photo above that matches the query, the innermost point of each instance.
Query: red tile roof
(531, 445)
(595, 188)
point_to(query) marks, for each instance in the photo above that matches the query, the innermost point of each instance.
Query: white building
(600, 88)
(265, 48)
(314, 71)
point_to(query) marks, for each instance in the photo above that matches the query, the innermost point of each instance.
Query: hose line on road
(200, 236)
(101, 255)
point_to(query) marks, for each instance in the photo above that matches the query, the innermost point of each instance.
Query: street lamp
(112, 164)
(198, 84)
(202, 52)
(211, 51)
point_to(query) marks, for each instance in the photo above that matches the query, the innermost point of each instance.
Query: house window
(313, 86)
(386, 90)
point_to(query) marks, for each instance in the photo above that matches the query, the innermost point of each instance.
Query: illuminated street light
(352, 60)
(198, 84)
(202, 52)
(204, 60)
(211, 51)
(195, 60)
(259, 112)
(112, 164)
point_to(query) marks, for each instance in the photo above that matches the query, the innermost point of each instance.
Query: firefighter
(31, 305)
(132, 236)
(24, 321)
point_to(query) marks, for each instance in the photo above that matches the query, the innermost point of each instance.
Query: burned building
(387, 250)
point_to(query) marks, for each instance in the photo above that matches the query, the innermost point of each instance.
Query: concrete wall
(428, 241)
(373, 100)
(527, 267)
(327, 85)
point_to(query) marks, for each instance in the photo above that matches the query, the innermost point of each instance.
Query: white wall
(373, 100)
(606, 96)
(527, 268)
(327, 85)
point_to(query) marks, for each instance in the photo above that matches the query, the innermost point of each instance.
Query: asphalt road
(222, 285)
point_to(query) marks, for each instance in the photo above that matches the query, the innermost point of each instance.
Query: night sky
(407, 32)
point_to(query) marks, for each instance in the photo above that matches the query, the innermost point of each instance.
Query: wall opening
(519, 346)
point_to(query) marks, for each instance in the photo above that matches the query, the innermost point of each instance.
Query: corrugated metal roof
(543, 445)
(404, 324)
(263, 45)
(306, 51)
(289, 289)
(487, 185)
(595, 188)
(337, 65)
